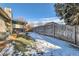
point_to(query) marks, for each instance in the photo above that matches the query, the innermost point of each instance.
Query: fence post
(75, 35)
(54, 29)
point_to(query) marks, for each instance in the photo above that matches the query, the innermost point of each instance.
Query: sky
(31, 11)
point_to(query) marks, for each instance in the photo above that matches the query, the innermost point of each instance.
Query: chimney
(8, 11)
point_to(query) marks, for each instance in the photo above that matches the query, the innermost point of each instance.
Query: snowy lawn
(53, 46)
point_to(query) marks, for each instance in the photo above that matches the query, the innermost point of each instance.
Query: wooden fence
(64, 32)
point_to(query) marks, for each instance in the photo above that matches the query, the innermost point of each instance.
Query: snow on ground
(58, 47)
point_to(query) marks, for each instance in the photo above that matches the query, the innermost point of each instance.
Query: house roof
(18, 22)
(4, 14)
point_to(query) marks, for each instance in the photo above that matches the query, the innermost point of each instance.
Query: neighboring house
(18, 26)
(5, 22)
